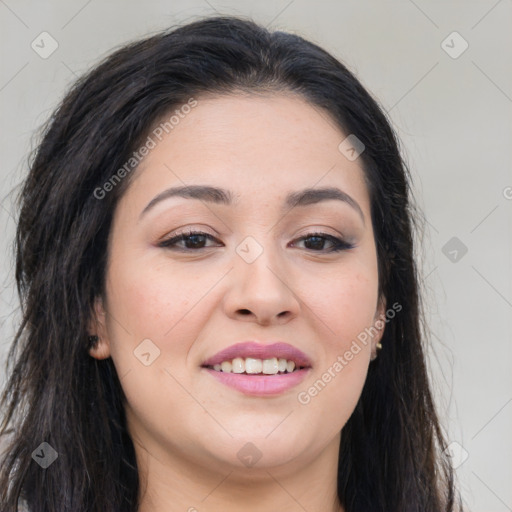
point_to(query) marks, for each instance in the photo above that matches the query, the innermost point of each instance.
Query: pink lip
(260, 351)
(260, 385)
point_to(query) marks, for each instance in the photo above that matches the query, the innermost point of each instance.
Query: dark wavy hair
(391, 456)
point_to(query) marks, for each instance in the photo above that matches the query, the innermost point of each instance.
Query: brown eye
(315, 242)
(192, 240)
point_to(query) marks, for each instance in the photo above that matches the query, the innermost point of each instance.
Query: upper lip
(258, 350)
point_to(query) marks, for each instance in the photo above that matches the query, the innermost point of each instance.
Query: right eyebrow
(305, 197)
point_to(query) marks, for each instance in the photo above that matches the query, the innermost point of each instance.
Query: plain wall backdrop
(442, 71)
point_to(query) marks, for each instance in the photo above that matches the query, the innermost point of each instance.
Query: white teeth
(252, 366)
(270, 366)
(238, 365)
(225, 366)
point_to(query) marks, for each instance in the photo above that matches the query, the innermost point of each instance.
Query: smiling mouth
(252, 366)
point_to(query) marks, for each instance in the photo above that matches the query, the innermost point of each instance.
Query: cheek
(346, 303)
(354, 307)
(349, 310)
(152, 313)
(346, 310)
(153, 301)
(330, 399)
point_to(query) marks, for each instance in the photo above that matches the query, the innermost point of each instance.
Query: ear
(98, 327)
(379, 322)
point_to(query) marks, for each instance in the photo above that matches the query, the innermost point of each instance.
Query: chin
(257, 451)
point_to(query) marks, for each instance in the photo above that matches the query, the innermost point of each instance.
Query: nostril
(244, 312)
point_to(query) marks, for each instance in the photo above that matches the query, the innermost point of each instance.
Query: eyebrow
(222, 196)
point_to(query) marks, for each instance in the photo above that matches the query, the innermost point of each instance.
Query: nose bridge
(258, 261)
(259, 281)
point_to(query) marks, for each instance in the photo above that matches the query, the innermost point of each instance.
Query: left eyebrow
(305, 197)
(309, 196)
(201, 192)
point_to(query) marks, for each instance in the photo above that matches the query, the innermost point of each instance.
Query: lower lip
(260, 385)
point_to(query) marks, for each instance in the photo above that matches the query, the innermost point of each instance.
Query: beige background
(453, 116)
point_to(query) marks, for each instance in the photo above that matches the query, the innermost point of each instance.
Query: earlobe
(98, 336)
(100, 348)
(380, 318)
(379, 324)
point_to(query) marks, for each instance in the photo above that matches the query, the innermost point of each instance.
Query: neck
(170, 479)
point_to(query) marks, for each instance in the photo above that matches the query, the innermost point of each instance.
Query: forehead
(260, 146)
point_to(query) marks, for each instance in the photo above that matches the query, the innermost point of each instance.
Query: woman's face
(255, 274)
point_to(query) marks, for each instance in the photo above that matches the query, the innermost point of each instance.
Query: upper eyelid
(313, 232)
(309, 231)
(177, 237)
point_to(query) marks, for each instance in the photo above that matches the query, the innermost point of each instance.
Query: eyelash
(338, 243)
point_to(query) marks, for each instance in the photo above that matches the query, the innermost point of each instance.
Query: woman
(221, 308)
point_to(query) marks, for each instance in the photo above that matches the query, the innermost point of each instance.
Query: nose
(261, 292)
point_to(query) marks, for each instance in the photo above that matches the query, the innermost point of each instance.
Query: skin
(187, 427)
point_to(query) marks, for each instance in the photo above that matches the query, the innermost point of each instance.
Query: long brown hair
(391, 455)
